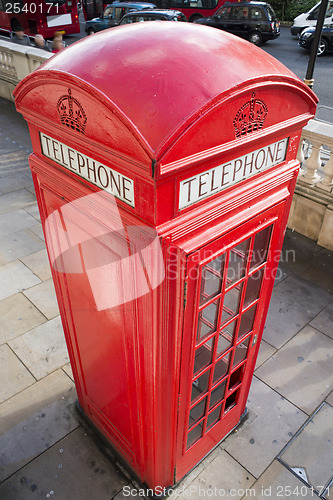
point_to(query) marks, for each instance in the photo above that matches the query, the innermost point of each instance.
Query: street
(286, 50)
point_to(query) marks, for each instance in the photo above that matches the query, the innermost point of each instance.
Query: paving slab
(43, 349)
(232, 481)
(34, 398)
(297, 252)
(38, 263)
(43, 296)
(33, 210)
(320, 270)
(38, 231)
(35, 434)
(302, 370)
(73, 468)
(281, 274)
(278, 483)
(14, 160)
(329, 398)
(14, 375)
(294, 303)
(16, 200)
(265, 352)
(324, 321)
(14, 125)
(68, 370)
(277, 420)
(15, 277)
(18, 245)
(14, 221)
(15, 182)
(310, 453)
(18, 315)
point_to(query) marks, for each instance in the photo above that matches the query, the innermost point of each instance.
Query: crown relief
(71, 112)
(250, 117)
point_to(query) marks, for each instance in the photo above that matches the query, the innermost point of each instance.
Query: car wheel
(194, 18)
(255, 37)
(90, 31)
(322, 47)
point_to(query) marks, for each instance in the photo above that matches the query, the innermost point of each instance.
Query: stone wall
(16, 62)
(312, 208)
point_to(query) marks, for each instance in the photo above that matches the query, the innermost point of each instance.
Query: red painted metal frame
(148, 120)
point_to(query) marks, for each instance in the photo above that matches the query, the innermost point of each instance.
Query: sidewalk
(46, 451)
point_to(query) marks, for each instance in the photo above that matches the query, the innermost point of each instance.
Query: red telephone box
(164, 163)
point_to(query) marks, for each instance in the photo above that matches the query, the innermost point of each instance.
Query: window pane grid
(217, 394)
(206, 339)
(212, 300)
(235, 379)
(211, 279)
(261, 244)
(254, 270)
(241, 275)
(196, 424)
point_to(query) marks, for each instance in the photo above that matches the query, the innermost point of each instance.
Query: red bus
(40, 16)
(193, 9)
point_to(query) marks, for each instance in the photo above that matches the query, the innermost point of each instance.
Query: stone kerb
(16, 62)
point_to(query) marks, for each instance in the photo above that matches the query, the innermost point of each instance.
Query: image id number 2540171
(30, 7)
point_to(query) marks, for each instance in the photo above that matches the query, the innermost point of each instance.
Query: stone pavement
(283, 449)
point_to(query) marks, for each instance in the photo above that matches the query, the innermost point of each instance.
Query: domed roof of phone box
(162, 77)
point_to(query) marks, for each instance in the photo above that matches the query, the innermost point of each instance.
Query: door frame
(196, 260)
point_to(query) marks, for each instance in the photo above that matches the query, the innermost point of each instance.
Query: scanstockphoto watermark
(189, 492)
(193, 491)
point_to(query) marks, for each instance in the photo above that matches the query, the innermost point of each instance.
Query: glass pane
(207, 320)
(231, 303)
(194, 435)
(236, 377)
(221, 368)
(217, 394)
(203, 355)
(200, 385)
(253, 286)
(260, 247)
(246, 323)
(225, 337)
(197, 412)
(231, 401)
(240, 351)
(211, 280)
(213, 417)
(237, 262)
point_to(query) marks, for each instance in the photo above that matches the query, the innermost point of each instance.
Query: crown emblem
(250, 117)
(71, 112)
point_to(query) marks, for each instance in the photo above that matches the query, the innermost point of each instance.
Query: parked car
(309, 19)
(326, 40)
(113, 14)
(153, 15)
(255, 21)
